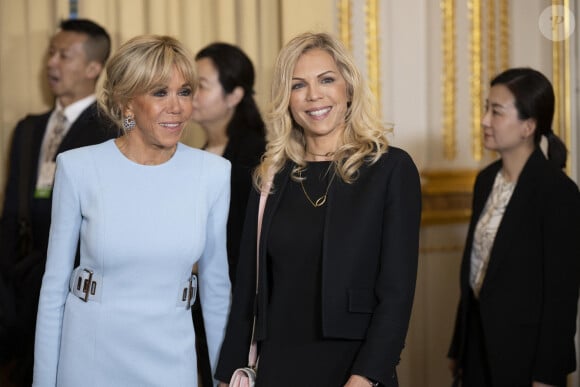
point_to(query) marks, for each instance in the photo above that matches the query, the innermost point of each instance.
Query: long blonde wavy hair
(364, 139)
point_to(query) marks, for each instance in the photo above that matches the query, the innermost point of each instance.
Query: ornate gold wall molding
(475, 88)
(344, 22)
(562, 124)
(449, 79)
(504, 35)
(447, 195)
(445, 249)
(488, 55)
(371, 39)
(372, 47)
(491, 39)
(497, 35)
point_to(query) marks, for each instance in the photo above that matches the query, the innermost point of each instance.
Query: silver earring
(128, 123)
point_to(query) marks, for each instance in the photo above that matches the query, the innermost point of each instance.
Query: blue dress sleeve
(214, 279)
(62, 245)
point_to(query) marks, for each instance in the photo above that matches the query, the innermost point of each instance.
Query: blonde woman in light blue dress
(145, 208)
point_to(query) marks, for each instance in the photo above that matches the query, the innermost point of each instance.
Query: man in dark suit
(76, 56)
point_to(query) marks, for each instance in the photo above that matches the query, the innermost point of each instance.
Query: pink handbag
(243, 377)
(246, 376)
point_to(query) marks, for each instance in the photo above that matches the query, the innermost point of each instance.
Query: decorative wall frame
(344, 22)
(561, 77)
(372, 47)
(371, 39)
(449, 79)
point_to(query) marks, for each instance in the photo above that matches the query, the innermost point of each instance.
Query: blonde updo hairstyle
(365, 137)
(139, 66)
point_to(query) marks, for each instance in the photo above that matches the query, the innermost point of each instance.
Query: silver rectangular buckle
(87, 285)
(191, 291)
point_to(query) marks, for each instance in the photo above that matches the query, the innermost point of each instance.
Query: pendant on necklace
(320, 201)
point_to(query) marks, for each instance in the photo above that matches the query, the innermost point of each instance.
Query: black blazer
(369, 266)
(529, 296)
(88, 129)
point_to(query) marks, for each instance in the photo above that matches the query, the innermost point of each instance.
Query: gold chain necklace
(321, 200)
(327, 154)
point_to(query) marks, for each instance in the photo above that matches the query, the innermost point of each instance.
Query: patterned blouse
(486, 229)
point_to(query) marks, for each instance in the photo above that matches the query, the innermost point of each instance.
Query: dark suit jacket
(244, 152)
(26, 272)
(369, 266)
(529, 296)
(88, 129)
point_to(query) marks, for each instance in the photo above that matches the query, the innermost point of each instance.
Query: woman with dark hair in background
(520, 273)
(225, 108)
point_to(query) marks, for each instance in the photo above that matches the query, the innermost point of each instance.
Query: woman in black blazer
(339, 238)
(520, 272)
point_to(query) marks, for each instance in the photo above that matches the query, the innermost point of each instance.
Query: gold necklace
(327, 154)
(321, 200)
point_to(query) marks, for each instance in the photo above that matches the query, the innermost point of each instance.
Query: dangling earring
(128, 123)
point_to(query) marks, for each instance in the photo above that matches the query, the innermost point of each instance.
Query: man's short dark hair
(98, 45)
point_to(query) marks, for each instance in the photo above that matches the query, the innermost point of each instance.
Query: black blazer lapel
(518, 205)
(272, 203)
(280, 182)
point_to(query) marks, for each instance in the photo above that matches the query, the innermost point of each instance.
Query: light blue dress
(141, 228)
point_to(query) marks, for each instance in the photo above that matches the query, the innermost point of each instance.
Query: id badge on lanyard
(45, 180)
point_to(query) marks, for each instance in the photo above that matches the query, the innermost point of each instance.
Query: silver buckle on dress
(189, 292)
(84, 284)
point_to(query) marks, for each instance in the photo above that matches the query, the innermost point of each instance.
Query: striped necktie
(56, 137)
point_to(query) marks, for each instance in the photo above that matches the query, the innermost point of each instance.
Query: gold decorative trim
(441, 249)
(491, 40)
(344, 16)
(449, 78)
(556, 71)
(372, 44)
(444, 181)
(567, 86)
(432, 217)
(561, 77)
(447, 196)
(476, 78)
(504, 33)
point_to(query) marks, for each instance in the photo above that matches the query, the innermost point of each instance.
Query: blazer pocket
(361, 300)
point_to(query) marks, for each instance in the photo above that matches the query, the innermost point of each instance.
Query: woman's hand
(358, 381)
(222, 384)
